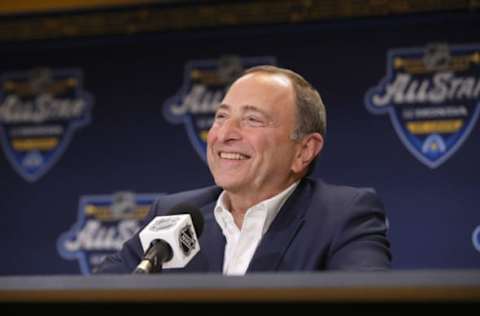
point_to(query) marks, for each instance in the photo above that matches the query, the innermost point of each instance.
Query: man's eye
(253, 120)
(220, 116)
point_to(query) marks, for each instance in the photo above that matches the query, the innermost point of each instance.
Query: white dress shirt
(242, 243)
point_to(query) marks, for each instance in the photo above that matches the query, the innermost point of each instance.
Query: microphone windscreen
(194, 212)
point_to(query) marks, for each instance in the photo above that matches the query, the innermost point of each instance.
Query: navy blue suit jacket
(320, 227)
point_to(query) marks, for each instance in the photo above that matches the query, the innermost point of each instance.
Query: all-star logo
(204, 86)
(432, 96)
(39, 111)
(476, 238)
(104, 223)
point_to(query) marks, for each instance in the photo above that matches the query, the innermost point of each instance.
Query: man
(265, 214)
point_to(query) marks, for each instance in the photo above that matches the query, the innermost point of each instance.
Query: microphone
(171, 241)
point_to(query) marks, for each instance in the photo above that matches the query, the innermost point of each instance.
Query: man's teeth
(233, 156)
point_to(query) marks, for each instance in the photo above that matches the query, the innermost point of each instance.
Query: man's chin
(229, 185)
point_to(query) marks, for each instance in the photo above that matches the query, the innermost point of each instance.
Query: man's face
(249, 145)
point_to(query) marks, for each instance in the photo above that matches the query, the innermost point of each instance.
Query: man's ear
(309, 147)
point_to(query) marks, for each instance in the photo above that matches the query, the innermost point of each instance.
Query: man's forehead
(259, 91)
(259, 87)
(267, 77)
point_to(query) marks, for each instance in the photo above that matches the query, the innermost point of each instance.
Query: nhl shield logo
(39, 111)
(187, 240)
(204, 86)
(432, 96)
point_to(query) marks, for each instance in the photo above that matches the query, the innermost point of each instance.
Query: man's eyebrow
(245, 108)
(223, 106)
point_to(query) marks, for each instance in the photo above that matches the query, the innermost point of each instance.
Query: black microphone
(171, 241)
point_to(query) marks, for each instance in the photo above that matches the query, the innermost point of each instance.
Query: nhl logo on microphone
(178, 232)
(163, 223)
(187, 240)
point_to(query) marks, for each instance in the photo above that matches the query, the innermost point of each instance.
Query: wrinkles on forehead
(265, 94)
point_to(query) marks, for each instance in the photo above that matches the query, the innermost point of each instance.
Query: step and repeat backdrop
(92, 130)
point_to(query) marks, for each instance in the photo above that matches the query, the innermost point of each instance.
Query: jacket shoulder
(197, 197)
(338, 190)
(340, 198)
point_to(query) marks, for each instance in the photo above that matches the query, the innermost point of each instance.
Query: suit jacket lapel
(283, 229)
(212, 240)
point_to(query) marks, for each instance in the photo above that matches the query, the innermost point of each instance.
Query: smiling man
(265, 213)
(251, 152)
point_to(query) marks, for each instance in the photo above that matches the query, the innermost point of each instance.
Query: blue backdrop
(71, 182)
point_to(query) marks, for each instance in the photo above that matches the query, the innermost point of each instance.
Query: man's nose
(230, 130)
